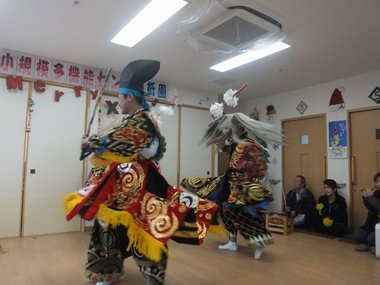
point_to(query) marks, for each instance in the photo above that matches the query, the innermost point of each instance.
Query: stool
(279, 223)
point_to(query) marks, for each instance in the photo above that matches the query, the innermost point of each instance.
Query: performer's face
(124, 103)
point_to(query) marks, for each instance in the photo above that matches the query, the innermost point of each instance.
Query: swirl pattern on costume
(132, 181)
(163, 226)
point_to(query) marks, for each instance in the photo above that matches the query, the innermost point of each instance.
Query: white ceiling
(330, 40)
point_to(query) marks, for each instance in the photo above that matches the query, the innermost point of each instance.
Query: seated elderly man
(300, 203)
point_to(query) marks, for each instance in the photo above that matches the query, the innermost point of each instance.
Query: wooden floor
(296, 259)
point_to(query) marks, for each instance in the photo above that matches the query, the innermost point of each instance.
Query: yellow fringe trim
(108, 157)
(219, 230)
(70, 201)
(144, 242)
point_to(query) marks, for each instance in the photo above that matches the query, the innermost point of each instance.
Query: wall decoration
(204, 101)
(336, 101)
(375, 95)
(39, 86)
(161, 91)
(37, 67)
(43, 68)
(8, 62)
(276, 146)
(14, 82)
(25, 66)
(112, 107)
(255, 114)
(59, 71)
(57, 95)
(302, 107)
(89, 77)
(155, 90)
(74, 74)
(338, 139)
(271, 111)
(29, 118)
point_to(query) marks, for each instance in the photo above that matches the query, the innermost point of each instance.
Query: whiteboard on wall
(13, 104)
(53, 154)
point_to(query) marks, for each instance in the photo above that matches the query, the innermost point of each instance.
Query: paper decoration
(14, 82)
(43, 68)
(29, 118)
(302, 107)
(25, 66)
(304, 139)
(8, 62)
(58, 95)
(112, 107)
(100, 77)
(32, 66)
(271, 111)
(113, 82)
(155, 89)
(151, 89)
(162, 91)
(89, 77)
(59, 71)
(338, 139)
(39, 86)
(74, 75)
(255, 114)
(375, 95)
(336, 101)
(204, 101)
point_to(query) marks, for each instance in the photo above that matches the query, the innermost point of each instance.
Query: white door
(13, 104)
(195, 158)
(53, 168)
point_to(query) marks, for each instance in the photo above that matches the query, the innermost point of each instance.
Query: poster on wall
(338, 139)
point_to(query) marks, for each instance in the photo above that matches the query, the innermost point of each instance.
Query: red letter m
(14, 82)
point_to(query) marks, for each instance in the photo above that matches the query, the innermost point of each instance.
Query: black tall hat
(136, 73)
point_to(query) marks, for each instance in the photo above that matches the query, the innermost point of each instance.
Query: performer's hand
(293, 213)
(84, 143)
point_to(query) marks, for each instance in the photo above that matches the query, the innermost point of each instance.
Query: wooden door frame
(321, 115)
(350, 174)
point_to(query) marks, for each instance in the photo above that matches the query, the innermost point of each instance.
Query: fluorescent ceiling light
(249, 56)
(152, 16)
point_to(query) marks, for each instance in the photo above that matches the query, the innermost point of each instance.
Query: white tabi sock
(259, 251)
(229, 246)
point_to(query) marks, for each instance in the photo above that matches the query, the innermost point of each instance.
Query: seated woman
(365, 235)
(331, 211)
